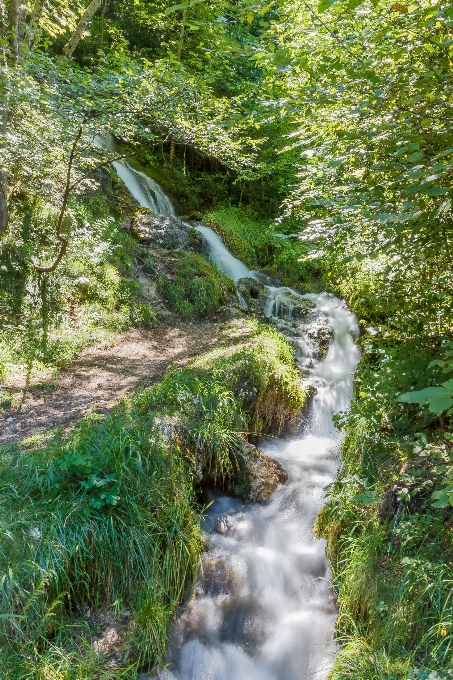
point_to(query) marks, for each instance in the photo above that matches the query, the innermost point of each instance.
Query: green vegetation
(80, 513)
(318, 137)
(48, 318)
(261, 244)
(389, 534)
(195, 287)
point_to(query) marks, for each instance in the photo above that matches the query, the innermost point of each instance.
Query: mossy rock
(193, 286)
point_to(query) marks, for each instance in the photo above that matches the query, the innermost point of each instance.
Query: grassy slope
(104, 518)
(391, 548)
(254, 241)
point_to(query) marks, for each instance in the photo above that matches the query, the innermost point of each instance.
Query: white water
(225, 261)
(144, 189)
(264, 609)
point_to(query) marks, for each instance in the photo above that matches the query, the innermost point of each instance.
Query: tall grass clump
(389, 538)
(104, 517)
(102, 524)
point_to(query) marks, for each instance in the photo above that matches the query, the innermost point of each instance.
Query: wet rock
(282, 303)
(218, 577)
(259, 474)
(266, 279)
(244, 622)
(164, 231)
(254, 293)
(322, 336)
(112, 638)
(286, 304)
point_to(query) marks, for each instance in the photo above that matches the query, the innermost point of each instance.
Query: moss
(256, 242)
(193, 286)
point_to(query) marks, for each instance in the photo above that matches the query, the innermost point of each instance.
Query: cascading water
(144, 189)
(225, 261)
(264, 609)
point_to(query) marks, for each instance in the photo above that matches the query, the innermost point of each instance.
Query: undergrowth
(389, 538)
(261, 244)
(195, 287)
(47, 318)
(104, 519)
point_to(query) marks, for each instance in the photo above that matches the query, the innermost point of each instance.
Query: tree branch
(63, 240)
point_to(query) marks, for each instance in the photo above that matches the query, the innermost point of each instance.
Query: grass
(260, 244)
(194, 286)
(104, 519)
(390, 548)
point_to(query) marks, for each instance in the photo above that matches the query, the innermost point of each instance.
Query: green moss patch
(194, 286)
(260, 244)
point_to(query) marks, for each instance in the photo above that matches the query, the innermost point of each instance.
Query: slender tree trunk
(13, 27)
(63, 240)
(172, 150)
(4, 24)
(70, 46)
(34, 23)
(181, 32)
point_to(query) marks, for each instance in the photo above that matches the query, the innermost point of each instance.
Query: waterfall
(264, 608)
(145, 190)
(225, 261)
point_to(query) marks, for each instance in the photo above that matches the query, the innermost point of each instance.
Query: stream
(263, 607)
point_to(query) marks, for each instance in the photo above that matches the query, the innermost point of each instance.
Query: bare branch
(63, 240)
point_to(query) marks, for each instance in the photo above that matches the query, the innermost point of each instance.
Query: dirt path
(100, 377)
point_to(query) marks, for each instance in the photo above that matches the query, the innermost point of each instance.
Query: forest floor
(102, 375)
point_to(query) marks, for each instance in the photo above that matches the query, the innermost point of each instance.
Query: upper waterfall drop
(144, 189)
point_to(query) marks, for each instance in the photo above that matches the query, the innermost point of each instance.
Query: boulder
(165, 231)
(322, 334)
(254, 293)
(259, 474)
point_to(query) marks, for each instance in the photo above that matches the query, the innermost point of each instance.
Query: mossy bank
(100, 525)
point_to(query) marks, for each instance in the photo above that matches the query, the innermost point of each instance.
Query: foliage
(195, 287)
(257, 242)
(47, 318)
(79, 514)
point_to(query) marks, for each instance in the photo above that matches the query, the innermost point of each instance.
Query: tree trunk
(181, 32)
(70, 46)
(3, 129)
(13, 27)
(34, 22)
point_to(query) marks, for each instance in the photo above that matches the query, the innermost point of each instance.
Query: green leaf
(441, 499)
(367, 497)
(436, 191)
(175, 8)
(438, 399)
(416, 156)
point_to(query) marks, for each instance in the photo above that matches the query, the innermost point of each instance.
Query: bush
(195, 287)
